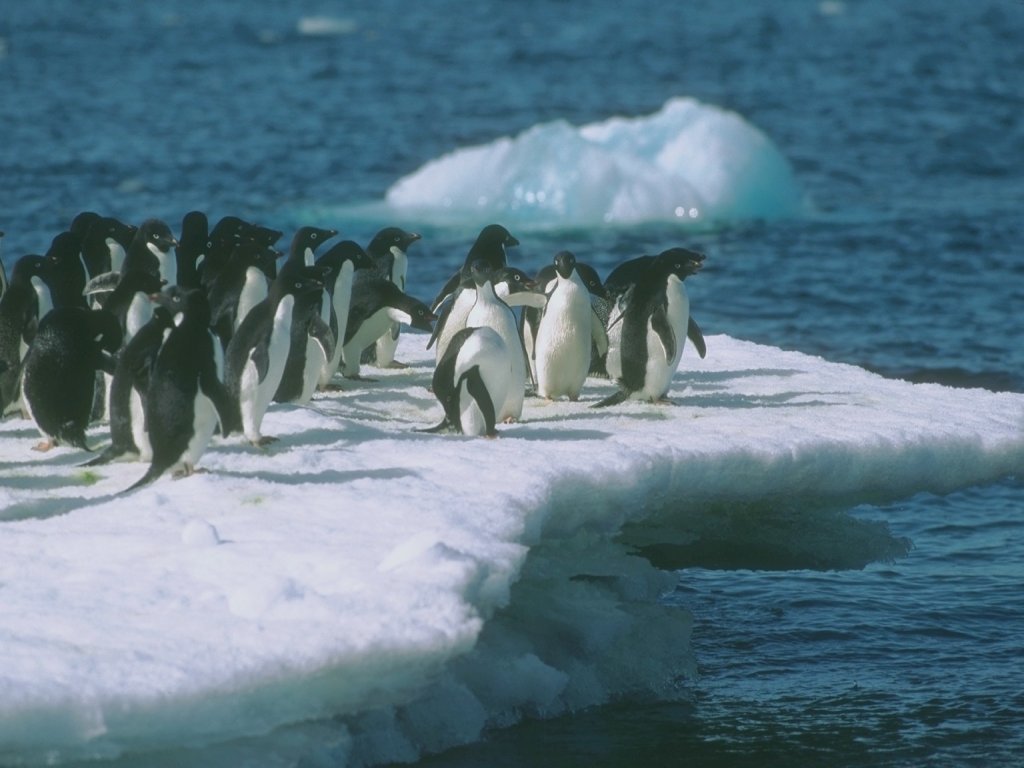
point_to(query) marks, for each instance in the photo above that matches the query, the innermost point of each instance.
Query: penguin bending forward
(648, 327)
(471, 382)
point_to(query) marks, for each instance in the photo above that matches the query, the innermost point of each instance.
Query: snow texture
(360, 592)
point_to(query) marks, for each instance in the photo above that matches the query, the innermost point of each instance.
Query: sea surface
(903, 125)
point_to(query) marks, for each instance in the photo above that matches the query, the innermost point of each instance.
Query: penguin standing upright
(255, 361)
(68, 273)
(342, 262)
(186, 397)
(150, 250)
(193, 244)
(490, 311)
(376, 303)
(304, 243)
(19, 320)
(457, 295)
(388, 249)
(648, 327)
(471, 382)
(565, 333)
(59, 379)
(311, 344)
(104, 244)
(239, 286)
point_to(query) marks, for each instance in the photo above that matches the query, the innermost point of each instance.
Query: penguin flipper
(478, 390)
(439, 325)
(619, 397)
(109, 453)
(598, 334)
(446, 291)
(659, 324)
(444, 426)
(260, 357)
(154, 471)
(696, 337)
(320, 331)
(228, 410)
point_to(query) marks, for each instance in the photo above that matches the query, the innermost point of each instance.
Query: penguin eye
(298, 286)
(313, 236)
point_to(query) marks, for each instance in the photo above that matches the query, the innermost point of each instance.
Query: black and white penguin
(130, 300)
(376, 303)
(648, 327)
(311, 343)
(59, 379)
(471, 382)
(130, 384)
(193, 242)
(457, 295)
(627, 273)
(186, 397)
(388, 249)
(567, 329)
(304, 243)
(341, 262)
(68, 273)
(19, 320)
(241, 285)
(255, 361)
(491, 312)
(151, 251)
(104, 244)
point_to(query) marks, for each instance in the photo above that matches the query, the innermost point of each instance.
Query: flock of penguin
(172, 339)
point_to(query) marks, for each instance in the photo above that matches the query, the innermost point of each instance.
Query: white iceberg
(364, 593)
(688, 162)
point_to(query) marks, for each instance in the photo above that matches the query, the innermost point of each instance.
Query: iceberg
(689, 162)
(362, 593)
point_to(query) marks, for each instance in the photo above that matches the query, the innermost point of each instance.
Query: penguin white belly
(117, 254)
(139, 433)
(168, 264)
(368, 332)
(254, 290)
(140, 312)
(613, 360)
(388, 342)
(341, 300)
(563, 342)
(489, 354)
(660, 368)
(456, 320)
(316, 359)
(204, 423)
(499, 318)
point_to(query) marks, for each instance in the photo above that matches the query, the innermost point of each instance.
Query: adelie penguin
(388, 250)
(376, 303)
(239, 286)
(341, 263)
(648, 327)
(311, 344)
(565, 333)
(259, 350)
(491, 312)
(59, 380)
(186, 398)
(458, 294)
(471, 381)
(19, 320)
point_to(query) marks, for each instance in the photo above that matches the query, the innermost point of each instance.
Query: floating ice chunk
(689, 161)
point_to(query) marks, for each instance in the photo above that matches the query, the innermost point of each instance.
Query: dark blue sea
(904, 126)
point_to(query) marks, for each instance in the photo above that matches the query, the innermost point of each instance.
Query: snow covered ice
(361, 592)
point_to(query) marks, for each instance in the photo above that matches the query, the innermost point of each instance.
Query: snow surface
(687, 162)
(361, 592)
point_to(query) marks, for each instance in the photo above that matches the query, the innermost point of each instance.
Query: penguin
(311, 344)
(191, 249)
(129, 302)
(471, 381)
(59, 379)
(150, 251)
(343, 261)
(490, 247)
(19, 319)
(130, 383)
(490, 311)
(186, 397)
(304, 243)
(388, 250)
(376, 303)
(648, 327)
(68, 273)
(254, 363)
(515, 288)
(104, 244)
(565, 332)
(627, 273)
(239, 286)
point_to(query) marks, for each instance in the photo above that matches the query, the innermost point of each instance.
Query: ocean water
(901, 121)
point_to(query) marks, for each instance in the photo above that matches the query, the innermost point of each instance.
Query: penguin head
(516, 280)
(591, 279)
(681, 262)
(29, 266)
(565, 263)
(110, 228)
(347, 250)
(309, 238)
(64, 249)
(171, 299)
(195, 229)
(490, 245)
(156, 232)
(392, 237)
(481, 272)
(422, 317)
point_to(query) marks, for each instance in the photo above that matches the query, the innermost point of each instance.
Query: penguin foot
(186, 471)
(664, 401)
(510, 420)
(395, 364)
(332, 387)
(45, 445)
(357, 377)
(264, 441)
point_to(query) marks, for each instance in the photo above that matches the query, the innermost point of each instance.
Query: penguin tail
(619, 397)
(73, 435)
(152, 474)
(109, 453)
(444, 426)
